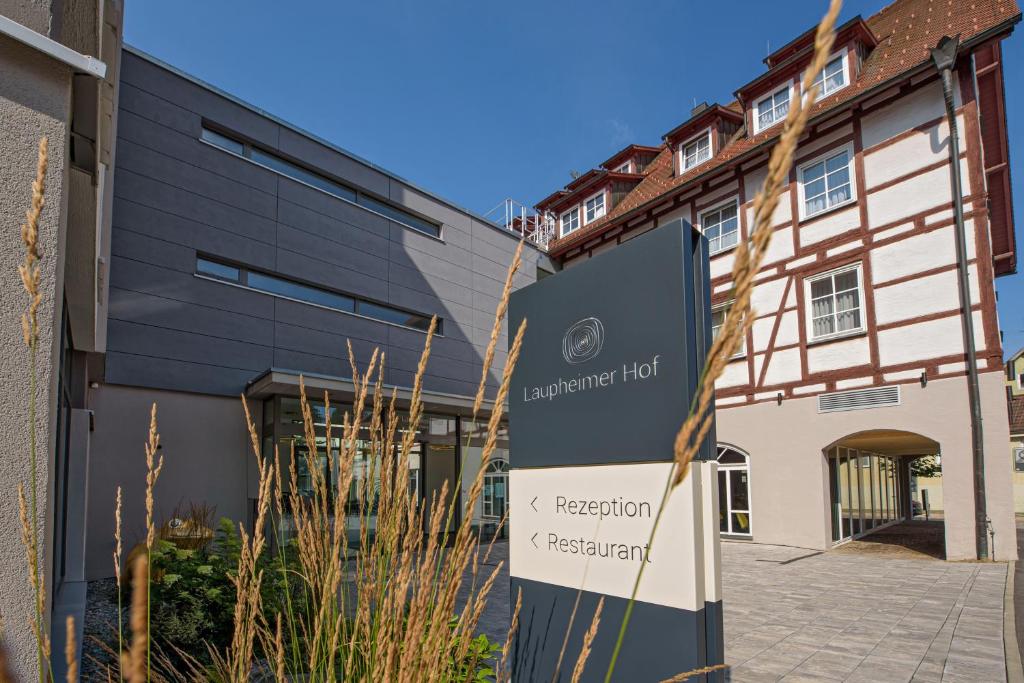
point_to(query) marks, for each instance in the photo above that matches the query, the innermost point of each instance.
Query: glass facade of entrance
(864, 492)
(435, 458)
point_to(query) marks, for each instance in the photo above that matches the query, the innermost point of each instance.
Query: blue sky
(479, 100)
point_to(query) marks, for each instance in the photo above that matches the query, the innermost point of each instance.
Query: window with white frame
(834, 76)
(594, 207)
(696, 151)
(772, 109)
(570, 220)
(826, 182)
(721, 226)
(718, 316)
(623, 169)
(836, 302)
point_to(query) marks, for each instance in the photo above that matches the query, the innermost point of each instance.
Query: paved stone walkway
(795, 615)
(837, 616)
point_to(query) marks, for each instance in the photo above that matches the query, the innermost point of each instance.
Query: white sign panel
(589, 527)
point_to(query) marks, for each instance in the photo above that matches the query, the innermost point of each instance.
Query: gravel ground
(100, 625)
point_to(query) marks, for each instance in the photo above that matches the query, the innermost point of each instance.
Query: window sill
(849, 334)
(804, 219)
(720, 252)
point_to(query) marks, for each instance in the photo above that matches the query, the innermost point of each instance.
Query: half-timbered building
(855, 364)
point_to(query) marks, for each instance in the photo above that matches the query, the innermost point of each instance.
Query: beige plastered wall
(34, 101)
(789, 474)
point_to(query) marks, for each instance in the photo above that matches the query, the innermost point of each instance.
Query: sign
(609, 365)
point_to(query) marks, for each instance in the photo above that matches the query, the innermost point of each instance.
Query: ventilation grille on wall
(859, 399)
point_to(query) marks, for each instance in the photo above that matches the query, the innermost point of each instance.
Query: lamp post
(944, 57)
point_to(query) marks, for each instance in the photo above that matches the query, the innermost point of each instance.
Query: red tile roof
(1016, 409)
(906, 30)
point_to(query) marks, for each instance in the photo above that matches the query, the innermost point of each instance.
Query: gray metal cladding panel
(631, 306)
(333, 207)
(305, 340)
(405, 378)
(187, 148)
(163, 373)
(671, 641)
(300, 147)
(160, 342)
(173, 88)
(158, 252)
(446, 291)
(159, 195)
(332, 252)
(172, 229)
(171, 284)
(139, 103)
(444, 347)
(455, 271)
(331, 276)
(420, 203)
(353, 235)
(194, 179)
(147, 309)
(342, 325)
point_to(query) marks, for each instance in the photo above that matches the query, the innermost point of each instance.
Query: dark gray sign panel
(609, 366)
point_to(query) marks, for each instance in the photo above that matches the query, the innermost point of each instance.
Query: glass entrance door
(733, 491)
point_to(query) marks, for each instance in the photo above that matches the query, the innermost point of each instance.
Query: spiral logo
(583, 341)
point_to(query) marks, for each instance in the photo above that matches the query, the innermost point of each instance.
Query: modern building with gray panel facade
(245, 253)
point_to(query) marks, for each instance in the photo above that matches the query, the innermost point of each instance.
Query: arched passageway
(874, 493)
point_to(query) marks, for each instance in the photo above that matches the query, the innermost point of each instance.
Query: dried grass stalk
(749, 255)
(588, 641)
(70, 651)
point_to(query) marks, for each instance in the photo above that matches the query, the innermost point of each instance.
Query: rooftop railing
(537, 227)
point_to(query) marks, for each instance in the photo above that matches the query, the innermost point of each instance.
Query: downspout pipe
(944, 57)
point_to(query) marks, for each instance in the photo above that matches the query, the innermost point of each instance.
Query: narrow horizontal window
(293, 290)
(393, 315)
(215, 138)
(398, 215)
(624, 168)
(289, 169)
(217, 270)
(722, 227)
(294, 171)
(290, 289)
(836, 303)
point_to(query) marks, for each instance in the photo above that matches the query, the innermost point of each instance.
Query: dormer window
(570, 220)
(834, 76)
(594, 207)
(624, 168)
(696, 151)
(772, 109)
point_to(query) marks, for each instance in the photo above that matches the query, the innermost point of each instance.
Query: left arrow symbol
(533, 540)
(532, 503)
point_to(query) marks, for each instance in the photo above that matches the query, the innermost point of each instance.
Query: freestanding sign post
(608, 368)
